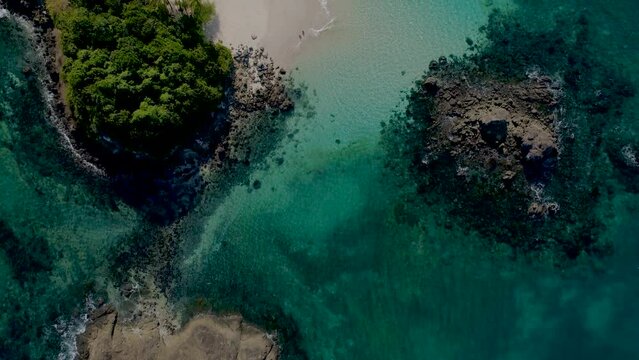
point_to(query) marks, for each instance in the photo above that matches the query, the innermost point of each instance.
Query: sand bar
(282, 27)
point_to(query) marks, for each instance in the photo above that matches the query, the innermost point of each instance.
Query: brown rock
(430, 86)
(539, 149)
(145, 328)
(204, 337)
(488, 125)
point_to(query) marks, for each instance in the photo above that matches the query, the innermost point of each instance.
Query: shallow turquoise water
(318, 241)
(317, 247)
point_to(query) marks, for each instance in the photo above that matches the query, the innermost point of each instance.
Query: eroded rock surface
(144, 326)
(492, 127)
(204, 337)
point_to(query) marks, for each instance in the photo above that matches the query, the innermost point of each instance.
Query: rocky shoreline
(257, 96)
(46, 40)
(247, 126)
(143, 326)
(242, 132)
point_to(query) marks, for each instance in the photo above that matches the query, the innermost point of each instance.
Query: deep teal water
(58, 226)
(317, 249)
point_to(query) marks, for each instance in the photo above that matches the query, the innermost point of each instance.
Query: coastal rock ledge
(203, 337)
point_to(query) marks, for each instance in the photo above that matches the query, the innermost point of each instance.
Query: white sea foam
(538, 191)
(327, 26)
(45, 84)
(630, 156)
(69, 329)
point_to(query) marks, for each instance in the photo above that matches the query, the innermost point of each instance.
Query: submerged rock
(624, 154)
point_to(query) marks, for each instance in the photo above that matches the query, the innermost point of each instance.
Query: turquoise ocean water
(316, 248)
(58, 225)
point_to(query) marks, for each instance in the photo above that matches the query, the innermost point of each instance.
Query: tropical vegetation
(140, 73)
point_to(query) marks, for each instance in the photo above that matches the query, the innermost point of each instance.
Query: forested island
(151, 100)
(140, 73)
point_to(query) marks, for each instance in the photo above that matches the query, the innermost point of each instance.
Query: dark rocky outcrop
(494, 127)
(494, 131)
(508, 139)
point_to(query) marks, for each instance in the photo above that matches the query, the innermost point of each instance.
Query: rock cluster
(493, 129)
(257, 96)
(257, 83)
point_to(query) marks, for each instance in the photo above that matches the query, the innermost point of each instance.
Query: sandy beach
(282, 27)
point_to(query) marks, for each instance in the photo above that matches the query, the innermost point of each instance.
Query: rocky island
(494, 129)
(499, 138)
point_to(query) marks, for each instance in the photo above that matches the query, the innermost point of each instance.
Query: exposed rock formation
(488, 148)
(492, 127)
(494, 133)
(144, 327)
(508, 140)
(257, 95)
(204, 337)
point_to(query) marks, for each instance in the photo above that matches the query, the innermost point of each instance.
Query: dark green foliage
(139, 74)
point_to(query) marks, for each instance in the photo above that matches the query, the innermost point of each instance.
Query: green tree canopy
(141, 71)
